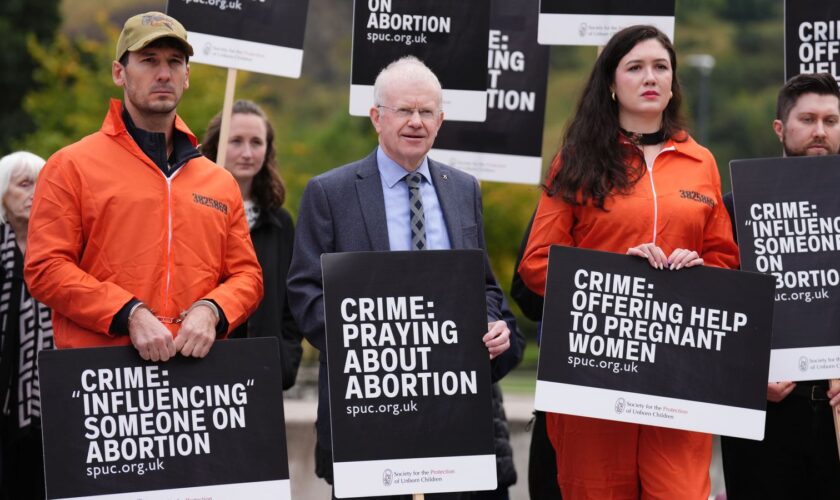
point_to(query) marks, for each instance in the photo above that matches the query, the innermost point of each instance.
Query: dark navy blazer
(343, 210)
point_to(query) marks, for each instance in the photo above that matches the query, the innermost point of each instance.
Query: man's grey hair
(409, 70)
(15, 163)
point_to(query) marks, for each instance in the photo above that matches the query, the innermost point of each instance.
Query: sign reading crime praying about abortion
(449, 37)
(812, 37)
(508, 146)
(594, 22)
(787, 214)
(409, 377)
(264, 36)
(117, 426)
(686, 349)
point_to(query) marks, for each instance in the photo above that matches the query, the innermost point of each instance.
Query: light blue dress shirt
(397, 212)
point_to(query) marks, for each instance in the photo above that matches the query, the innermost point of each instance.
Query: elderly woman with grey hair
(26, 330)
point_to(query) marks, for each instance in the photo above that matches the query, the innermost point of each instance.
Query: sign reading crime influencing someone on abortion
(116, 425)
(787, 214)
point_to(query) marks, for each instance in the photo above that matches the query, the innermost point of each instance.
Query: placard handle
(834, 411)
(227, 106)
(418, 496)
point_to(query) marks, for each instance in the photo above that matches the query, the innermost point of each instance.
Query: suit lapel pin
(445, 177)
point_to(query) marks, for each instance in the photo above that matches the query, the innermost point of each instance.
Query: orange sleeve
(553, 224)
(54, 250)
(241, 285)
(719, 248)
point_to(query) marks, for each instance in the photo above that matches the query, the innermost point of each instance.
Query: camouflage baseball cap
(143, 29)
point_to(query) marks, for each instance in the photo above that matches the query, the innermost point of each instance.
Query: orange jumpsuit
(107, 226)
(676, 204)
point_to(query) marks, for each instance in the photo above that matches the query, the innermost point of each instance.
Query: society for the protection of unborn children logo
(582, 29)
(803, 364)
(620, 404)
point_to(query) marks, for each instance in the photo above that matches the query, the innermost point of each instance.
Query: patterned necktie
(418, 220)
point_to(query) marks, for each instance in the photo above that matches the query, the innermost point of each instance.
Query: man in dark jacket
(542, 461)
(798, 457)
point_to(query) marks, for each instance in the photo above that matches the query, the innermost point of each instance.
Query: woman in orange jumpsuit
(629, 179)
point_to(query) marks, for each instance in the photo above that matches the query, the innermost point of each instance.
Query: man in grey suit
(364, 206)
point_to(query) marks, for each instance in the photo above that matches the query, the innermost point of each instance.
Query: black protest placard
(409, 378)
(212, 427)
(787, 214)
(264, 36)
(594, 22)
(449, 37)
(507, 147)
(812, 37)
(685, 349)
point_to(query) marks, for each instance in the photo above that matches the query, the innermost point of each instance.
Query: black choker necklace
(638, 139)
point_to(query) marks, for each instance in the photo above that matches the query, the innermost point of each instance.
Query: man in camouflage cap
(139, 239)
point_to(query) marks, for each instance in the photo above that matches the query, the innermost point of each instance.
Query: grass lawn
(523, 378)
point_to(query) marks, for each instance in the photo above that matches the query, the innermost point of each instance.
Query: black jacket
(529, 302)
(273, 236)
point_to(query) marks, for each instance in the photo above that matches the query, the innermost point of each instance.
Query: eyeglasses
(405, 113)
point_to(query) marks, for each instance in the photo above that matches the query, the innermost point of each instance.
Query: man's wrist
(206, 303)
(134, 310)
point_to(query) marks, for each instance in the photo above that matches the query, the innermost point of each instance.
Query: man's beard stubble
(803, 151)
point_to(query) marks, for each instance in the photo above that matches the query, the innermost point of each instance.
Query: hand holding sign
(198, 332)
(682, 257)
(777, 391)
(834, 394)
(651, 252)
(679, 258)
(148, 335)
(497, 338)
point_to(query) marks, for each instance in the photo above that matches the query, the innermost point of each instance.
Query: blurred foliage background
(56, 82)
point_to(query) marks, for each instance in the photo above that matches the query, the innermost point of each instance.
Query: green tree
(747, 75)
(19, 20)
(315, 132)
(74, 85)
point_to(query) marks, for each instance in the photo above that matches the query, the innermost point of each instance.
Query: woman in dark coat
(26, 330)
(251, 158)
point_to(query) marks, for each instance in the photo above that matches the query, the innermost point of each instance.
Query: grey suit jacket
(343, 210)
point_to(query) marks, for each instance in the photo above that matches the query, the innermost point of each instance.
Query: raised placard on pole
(252, 35)
(507, 147)
(449, 37)
(594, 22)
(227, 108)
(812, 37)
